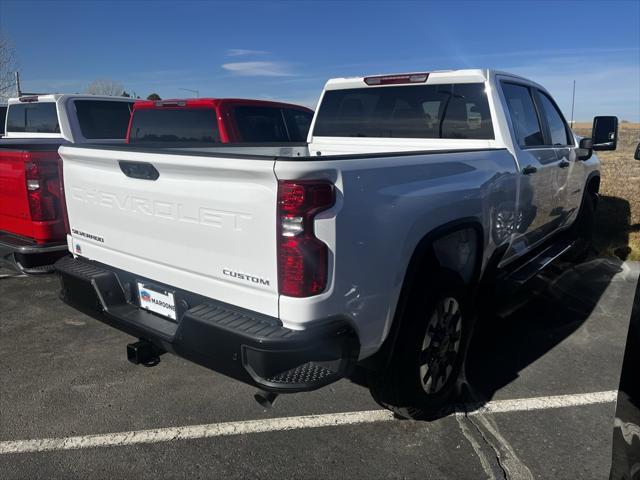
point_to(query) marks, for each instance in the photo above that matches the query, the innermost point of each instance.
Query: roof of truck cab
(211, 103)
(54, 97)
(474, 75)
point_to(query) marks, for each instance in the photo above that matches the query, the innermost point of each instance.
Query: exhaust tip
(266, 399)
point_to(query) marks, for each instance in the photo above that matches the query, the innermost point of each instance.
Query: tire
(582, 229)
(423, 374)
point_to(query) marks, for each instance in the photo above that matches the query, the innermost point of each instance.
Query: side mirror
(586, 143)
(605, 133)
(637, 155)
(585, 148)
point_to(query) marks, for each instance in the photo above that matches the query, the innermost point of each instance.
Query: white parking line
(12, 275)
(543, 403)
(286, 423)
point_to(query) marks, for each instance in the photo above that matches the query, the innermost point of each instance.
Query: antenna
(573, 101)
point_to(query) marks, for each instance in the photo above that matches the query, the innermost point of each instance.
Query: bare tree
(7, 68)
(105, 86)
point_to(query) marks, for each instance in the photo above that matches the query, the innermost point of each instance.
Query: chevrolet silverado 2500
(32, 217)
(371, 244)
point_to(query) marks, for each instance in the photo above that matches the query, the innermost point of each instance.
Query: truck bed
(206, 220)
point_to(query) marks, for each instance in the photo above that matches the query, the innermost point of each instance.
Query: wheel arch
(432, 252)
(592, 186)
(593, 182)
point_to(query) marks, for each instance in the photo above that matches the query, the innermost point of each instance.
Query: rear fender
(455, 247)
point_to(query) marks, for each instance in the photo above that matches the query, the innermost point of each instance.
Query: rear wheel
(423, 374)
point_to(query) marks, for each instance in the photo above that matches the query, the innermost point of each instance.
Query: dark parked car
(625, 461)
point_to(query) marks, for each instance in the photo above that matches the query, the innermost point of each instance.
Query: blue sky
(287, 50)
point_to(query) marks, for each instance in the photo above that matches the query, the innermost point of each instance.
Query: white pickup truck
(372, 244)
(68, 118)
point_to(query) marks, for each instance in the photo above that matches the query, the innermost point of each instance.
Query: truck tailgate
(206, 224)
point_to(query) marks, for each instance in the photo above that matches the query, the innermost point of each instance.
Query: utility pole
(18, 84)
(573, 101)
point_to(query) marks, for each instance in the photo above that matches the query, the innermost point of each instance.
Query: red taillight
(43, 190)
(302, 257)
(397, 79)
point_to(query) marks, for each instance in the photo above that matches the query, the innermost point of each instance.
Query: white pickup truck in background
(70, 118)
(372, 244)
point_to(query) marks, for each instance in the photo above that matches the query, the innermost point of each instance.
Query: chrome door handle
(529, 169)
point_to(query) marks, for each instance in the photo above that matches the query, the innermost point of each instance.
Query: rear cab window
(260, 124)
(452, 111)
(178, 126)
(99, 119)
(33, 117)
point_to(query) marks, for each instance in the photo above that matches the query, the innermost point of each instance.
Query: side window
(467, 113)
(557, 126)
(523, 115)
(260, 124)
(298, 123)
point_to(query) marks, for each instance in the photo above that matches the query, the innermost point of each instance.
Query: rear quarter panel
(384, 207)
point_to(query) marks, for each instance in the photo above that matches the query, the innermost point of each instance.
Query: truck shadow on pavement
(511, 337)
(554, 306)
(613, 226)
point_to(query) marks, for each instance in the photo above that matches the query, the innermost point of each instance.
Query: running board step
(523, 273)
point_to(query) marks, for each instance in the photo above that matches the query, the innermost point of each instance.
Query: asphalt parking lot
(541, 401)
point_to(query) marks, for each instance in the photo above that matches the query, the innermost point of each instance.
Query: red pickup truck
(210, 120)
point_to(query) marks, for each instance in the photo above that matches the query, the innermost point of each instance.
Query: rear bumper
(248, 346)
(24, 255)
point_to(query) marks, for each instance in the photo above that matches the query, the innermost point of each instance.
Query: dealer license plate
(157, 301)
